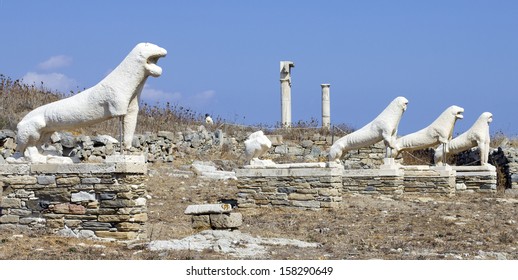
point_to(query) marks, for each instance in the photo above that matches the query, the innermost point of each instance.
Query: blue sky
(223, 56)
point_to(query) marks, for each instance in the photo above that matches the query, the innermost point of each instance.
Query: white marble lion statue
(383, 127)
(256, 145)
(440, 131)
(476, 136)
(117, 95)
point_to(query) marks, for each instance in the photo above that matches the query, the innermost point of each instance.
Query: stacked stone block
(307, 188)
(317, 186)
(426, 179)
(157, 147)
(512, 158)
(108, 200)
(214, 216)
(314, 148)
(476, 178)
(371, 181)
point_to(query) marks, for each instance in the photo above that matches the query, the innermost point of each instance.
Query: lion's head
(488, 117)
(456, 111)
(148, 54)
(402, 102)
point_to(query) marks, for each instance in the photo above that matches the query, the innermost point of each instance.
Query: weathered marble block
(215, 216)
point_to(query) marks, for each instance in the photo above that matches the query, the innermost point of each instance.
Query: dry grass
(418, 157)
(17, 99)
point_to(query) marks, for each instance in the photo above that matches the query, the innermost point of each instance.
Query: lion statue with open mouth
(117, 95)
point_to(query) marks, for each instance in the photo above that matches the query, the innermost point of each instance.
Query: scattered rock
(227, 242)
(104, 140)
(208, 209)
(208, 170)
(6, 133)
(449, 218)
(226, 221)
(461, 187)
(491, 255)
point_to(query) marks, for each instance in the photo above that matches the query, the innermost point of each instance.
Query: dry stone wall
(371, 182)
(429, 180)
(315, 187)
(308, 188)
(165, 146)
(89, 200)
(315, 148)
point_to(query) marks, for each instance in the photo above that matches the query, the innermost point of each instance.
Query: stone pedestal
(105, 200)
(373, 181)
(429, 179)
(304, 185)
(322, 184)
(476, 178)
(444, 170)
(390, 168)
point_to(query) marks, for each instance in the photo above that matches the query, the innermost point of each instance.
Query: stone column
(286, 93)
(326, 106)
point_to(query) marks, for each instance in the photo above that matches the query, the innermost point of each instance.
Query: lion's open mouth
(152, 66)
(154, 58)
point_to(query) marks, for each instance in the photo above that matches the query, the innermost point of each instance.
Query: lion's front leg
(483, 148)
(130, 122)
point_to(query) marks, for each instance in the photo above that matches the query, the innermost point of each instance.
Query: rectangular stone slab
(222, 221)
(77, 168)
(125, 159)
(208, 209)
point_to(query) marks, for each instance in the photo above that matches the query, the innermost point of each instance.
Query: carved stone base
(481, 178)
(390, 168)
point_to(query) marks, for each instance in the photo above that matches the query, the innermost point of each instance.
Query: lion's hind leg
(336, 152)
(28, 136)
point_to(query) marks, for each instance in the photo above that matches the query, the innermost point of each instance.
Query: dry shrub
(498, 139)
(18, 98)
(302, 130)
(418, 157)
(506, 237)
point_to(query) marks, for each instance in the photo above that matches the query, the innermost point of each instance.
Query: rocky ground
(467, 226)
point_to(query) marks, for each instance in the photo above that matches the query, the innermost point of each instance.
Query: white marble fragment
(208, 209)
(256, 145)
